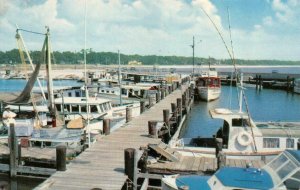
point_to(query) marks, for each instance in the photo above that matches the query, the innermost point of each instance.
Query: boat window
(240, 122)
(83, 109)
(75, 108)
(67, 108)
(113, 92)
(105, 107)
(58, 107)
(102, 90)
(290, 143)
(136, 92)
(93, 109)
(286, 169)
(107, 91)
(271, 143)
(70, 94)
(276, 163)
(77, 94)
(101, 108)
(124, 91)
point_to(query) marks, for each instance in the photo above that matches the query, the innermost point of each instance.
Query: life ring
(244, 138)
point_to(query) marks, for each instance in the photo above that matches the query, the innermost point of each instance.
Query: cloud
(140, 27)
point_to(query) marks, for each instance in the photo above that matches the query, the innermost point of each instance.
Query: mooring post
(288, 83)
(150, 102)
(152, 129)
(129, 162)
(256, 82)
(19, 154)
(162, 93)
(298, 145)
(179, 108)
(157, 96)
(61, 154)
(128, 114)
(142, 106)
(260, 82)
(13, 147)
(106, 126)
(183, 97)
(219, 153)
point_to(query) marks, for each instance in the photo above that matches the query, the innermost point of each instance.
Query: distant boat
(281, 173)
(208, 85)
(297, 86)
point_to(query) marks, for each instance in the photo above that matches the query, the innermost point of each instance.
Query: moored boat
(208, 85)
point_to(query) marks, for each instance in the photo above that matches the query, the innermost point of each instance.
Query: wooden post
(260, 82)
(152, 128)
(61, 154)
(162, 93)
(157, 96)
(173, 107)
(256, 82)
(19, 154)
(128, 114)
(179, 108)
(298, 145)
(106, 126)
(183, 97)
(129, 162)
(13, 147)
(166, 117)
(288, 83)
(219, 153)
(142, 106)
(150, 101)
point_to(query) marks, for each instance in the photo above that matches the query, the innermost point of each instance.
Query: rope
(29, 31)
(231, 55)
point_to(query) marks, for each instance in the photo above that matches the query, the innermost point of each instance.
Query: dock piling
(129, 162)
(106, 126)
(142, 106)
(13, 146)
(61, 153)
(152, 128)
(179, 107)
(128, 114)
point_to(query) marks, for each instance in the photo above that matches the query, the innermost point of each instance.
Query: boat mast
(49, 72)
(241, 94)
(119, 78)
(193, 46)
(85, 79)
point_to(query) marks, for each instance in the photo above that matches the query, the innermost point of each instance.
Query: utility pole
(193, 46)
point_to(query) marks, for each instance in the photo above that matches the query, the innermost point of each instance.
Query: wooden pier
(102, 165)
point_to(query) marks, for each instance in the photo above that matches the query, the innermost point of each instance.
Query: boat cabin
(74, 107)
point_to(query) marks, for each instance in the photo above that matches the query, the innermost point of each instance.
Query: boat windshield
(283, 166)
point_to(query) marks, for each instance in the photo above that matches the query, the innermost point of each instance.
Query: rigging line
(29, 31)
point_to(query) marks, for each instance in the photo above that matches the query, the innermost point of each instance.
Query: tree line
(12, 57)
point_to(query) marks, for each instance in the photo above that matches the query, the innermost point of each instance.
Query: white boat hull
(209, 93)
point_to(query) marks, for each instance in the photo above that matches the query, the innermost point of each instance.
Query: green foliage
(107, 58)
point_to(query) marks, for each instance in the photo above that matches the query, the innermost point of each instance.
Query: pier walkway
(102, 165)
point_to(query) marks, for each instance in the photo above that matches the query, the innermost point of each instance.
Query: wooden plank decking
(102, 165)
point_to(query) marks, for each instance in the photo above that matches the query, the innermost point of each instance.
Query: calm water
(265, 105)
(14, 85)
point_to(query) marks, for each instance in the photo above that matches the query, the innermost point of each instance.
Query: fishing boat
(208, 85)
(297, 86)
(242, 137)
(281, 173)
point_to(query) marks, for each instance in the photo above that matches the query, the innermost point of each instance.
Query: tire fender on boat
(244, 138)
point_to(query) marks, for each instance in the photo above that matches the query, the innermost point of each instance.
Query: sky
(260, 29)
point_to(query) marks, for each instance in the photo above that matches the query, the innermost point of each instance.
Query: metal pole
(119, 77)
(193, 46)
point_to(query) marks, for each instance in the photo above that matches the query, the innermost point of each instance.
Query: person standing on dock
(8, 117)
